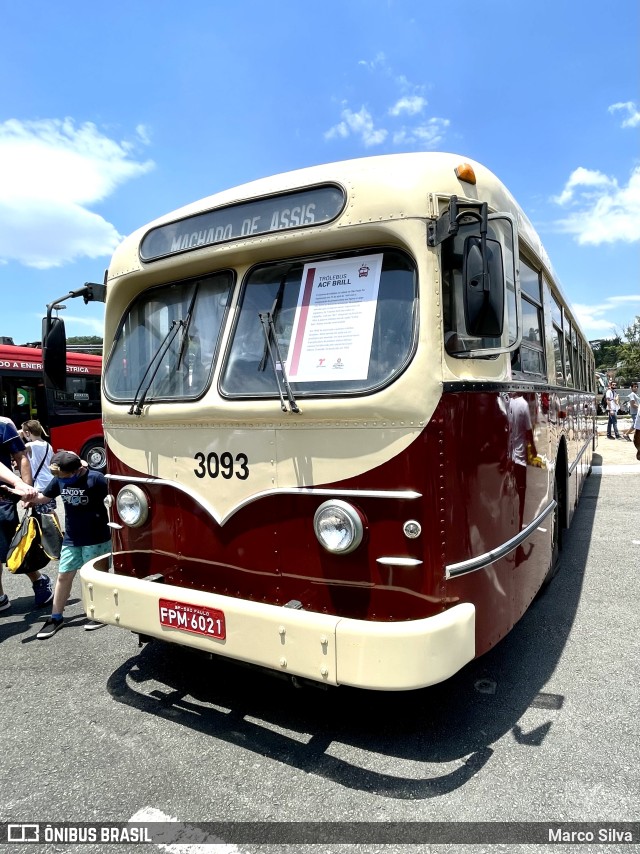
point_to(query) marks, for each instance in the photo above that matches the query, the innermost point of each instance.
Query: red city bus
(71, 416)
(348, 414)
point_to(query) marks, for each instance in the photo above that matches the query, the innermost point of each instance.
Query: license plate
(197, 619)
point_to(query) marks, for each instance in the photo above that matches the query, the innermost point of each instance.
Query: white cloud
(581, 178)
(426, 135)
(603, 317)
(92, 325)
(601, 210)
(51, 172)
(630, 108)
(372, 64)
(359, 124)
(410, 104)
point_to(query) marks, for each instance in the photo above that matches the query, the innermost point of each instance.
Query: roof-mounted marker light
(464, 172)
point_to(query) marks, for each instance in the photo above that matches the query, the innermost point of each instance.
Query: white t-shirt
(38, 451)
(520, 423)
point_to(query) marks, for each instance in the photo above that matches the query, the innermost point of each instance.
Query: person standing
(12, 450)
(613, 405)
(40, 454)
(634, 404)
(521, 447)
(86, 535)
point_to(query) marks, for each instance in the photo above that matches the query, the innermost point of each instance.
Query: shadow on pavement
(452, 727)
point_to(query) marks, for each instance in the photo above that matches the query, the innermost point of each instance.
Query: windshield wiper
(187, 324)
(137, 404)
(275, 309)
(269, 329)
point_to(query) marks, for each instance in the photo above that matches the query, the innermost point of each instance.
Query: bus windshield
(343, 325)
(146, 356)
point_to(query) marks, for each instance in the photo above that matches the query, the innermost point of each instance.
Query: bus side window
(529, 358)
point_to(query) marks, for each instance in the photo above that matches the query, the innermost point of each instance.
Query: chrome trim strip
(473, 564)
(406, 495)
(573, 466)
(398, 561)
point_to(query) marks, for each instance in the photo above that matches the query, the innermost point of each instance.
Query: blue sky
(113, 114)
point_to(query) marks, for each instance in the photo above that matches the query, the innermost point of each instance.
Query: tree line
(86, 343)
(620, 356)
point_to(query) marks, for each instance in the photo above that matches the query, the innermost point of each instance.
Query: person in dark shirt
(12, 451)
(86, 533)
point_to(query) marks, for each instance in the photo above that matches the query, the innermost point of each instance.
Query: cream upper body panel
(330, 439)
(389, 201)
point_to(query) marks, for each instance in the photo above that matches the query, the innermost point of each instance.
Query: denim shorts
(73, 558)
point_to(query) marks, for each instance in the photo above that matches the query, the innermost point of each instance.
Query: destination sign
(301, 209)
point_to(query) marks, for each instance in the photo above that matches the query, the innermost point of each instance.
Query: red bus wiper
(269, 329)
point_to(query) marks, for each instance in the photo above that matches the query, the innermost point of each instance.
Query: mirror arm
(448, 224)
(90, 292)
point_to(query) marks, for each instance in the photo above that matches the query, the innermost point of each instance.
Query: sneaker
(5, 602)
(43, 591)
(627, 437)
(49, 629)
(91, 625)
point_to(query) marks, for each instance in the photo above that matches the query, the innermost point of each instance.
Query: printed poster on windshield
(333, 326)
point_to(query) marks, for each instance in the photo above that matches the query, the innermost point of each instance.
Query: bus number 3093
(222, 465)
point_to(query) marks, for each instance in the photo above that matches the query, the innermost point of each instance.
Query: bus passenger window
(558, 356)
(530, 356)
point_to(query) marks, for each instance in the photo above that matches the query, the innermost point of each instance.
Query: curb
(599, 471)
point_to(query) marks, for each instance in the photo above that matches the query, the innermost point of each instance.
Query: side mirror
(54, 353)
(484, 287)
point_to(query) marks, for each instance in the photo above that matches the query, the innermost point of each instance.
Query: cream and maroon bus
(348, 413)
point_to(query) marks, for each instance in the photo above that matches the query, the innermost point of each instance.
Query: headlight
(338, 527)
(132, 506)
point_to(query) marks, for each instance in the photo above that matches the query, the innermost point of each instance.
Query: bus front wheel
(556, 538)
(95, 454)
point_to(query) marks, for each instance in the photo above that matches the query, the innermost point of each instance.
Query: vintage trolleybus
(348, 414)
